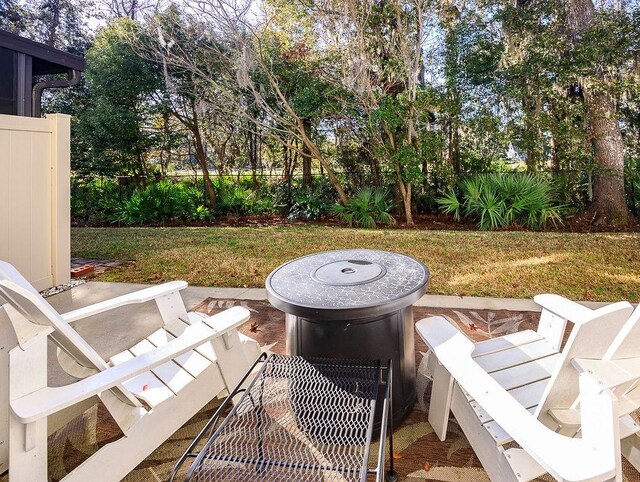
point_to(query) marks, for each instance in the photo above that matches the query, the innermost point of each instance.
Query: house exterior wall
(35, 197)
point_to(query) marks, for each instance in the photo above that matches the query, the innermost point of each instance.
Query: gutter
(36, 93)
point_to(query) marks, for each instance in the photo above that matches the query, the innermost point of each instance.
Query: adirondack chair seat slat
(514, 356)
(146, 386)
(175, 371)
(192, 361)
(511, 393)
(498, 434)
(527, 373)
(527, 395)
(493, 345)
(523, 375)
(177, 327)
(170, 373)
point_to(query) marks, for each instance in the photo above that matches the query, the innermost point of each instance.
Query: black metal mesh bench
(299, 420)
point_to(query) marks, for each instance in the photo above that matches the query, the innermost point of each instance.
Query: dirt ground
(582, 223)
(572, 224)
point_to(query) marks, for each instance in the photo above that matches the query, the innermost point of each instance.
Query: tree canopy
(408, 94)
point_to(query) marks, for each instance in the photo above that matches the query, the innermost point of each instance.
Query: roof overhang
(45, 59)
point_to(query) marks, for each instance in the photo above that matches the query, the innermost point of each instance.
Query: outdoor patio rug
(419, 455)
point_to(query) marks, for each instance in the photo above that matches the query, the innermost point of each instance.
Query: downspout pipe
(73, 78)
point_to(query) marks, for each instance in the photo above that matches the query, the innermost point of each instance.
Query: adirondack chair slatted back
(589, 338)
(8, 272)
(27, 302)
(38, 311)
(626, 346)
(627, 343)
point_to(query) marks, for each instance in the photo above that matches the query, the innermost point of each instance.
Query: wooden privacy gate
(35, 197)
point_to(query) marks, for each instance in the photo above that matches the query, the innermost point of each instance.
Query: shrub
(309, 205)
(94, 200)
(163, 202)
(572, 190)
(632, 184)
(367, 208)
(295, 200)
(498, 200)
(240, 197)
(231, 197)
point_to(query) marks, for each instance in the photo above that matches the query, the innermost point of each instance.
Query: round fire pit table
(353, 304)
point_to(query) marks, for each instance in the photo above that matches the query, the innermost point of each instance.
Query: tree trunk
(307, 178)
(450, 16)
(202, 160)
(532, 140)
(454, 143)
(405, 193)
(166, 148)
(253, 158)
(54, 24)
(609, 202)
(201, 155)
(221, 154)
(315, 152)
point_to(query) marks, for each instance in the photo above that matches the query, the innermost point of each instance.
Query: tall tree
(12, 16)
(115, 124)
(246, 59)
(383, 46)
(60, 23)
(450, 20)
(609, 201)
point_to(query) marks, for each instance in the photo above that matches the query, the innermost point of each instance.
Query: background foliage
(288, 107)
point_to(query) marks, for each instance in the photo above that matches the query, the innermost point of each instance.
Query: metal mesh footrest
(300, 419)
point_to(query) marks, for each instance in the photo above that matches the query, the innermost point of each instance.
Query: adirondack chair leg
(440, 404)
(232, 359)
(8, 341)
(28, 450)
(491, 457)
(630, 448)
(28, 443)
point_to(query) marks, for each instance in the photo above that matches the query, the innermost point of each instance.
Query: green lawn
(512, 264)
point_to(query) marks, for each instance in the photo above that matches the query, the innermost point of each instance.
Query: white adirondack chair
(150, 390)
(528, 408)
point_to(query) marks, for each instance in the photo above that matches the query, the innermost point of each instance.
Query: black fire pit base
(386, 337)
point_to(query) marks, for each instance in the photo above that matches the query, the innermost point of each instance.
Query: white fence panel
(34, 197)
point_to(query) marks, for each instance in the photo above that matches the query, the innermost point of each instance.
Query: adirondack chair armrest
(140, 296)
(563, 308)
(436, 330)
(590, 457)
(49, 400)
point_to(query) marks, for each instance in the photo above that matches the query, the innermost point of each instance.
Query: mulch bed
(583, 223)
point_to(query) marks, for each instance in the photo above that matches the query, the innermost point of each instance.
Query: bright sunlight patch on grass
(510, 264)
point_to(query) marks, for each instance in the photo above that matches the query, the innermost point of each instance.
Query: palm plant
(366, 209)
(498, 200)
